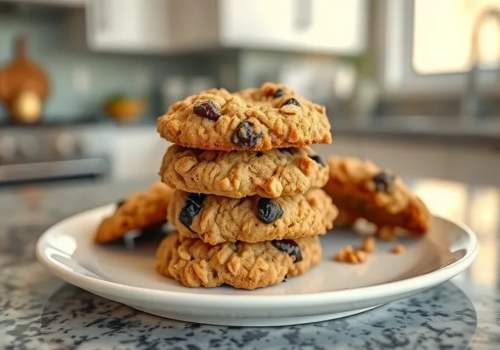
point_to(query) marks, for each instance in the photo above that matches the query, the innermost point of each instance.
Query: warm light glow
(444, 198)
(484, 210)
(443, 35)
(478, 208)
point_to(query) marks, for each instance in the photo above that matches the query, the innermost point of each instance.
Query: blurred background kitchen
(412, 84)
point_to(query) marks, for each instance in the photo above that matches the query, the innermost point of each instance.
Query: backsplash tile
(81, 80)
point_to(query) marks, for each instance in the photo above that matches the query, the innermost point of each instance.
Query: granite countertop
(39, 311)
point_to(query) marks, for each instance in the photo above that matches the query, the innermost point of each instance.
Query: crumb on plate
(350, 255)
(387, 233)
(368, 245)
(398, 249)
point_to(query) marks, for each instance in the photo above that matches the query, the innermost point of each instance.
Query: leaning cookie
(139, 211)
(360, 189)
(216, 219)
(260, 119)
(279, 172)
(242, 265)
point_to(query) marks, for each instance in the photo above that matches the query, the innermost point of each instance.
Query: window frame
(395, 41)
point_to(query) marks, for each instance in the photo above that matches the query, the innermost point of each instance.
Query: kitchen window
(443, 31)
(424, 46)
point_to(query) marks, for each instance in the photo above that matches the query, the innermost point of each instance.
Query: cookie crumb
(350, 255)
(387, 233)
(398, 249)
(368, 245)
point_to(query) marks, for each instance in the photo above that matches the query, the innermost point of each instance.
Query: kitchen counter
(434, 129)
(39, 311)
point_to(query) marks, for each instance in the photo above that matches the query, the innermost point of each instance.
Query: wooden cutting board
(21, 75)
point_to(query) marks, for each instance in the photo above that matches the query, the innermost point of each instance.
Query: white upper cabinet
(336, 26)
(127, 25)
(319, 25)
(58, 3)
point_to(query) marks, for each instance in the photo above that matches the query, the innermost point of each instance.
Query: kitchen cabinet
(325, 25)
(127, 25)
(185, 25)
(62, 3)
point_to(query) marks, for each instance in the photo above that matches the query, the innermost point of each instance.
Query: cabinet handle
(102, 14)
(302, 14)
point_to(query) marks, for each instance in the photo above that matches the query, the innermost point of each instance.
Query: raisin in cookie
(216, 219)
(251, 120)
(242, 265)
(360, 189)
(139, 211)
(279, 172)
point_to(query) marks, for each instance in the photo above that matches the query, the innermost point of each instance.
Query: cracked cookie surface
(258, 119)
(215, 219)
(194, 263)
(140, 210)
(361, 189)
(279, 172)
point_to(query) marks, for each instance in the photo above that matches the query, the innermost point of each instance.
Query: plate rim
(387, 289)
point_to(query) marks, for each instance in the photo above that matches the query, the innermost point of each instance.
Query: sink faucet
(470, 103)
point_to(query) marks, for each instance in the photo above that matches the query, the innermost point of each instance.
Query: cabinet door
(325, 25)
(127, 25)
(62, 3)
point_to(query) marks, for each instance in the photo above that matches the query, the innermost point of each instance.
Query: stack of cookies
(248, 205)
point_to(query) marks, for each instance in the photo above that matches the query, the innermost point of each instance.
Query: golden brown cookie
(279, 172)
(139, 211)
(250, 120)
(216, 219)
(360, 189)
(242, 265)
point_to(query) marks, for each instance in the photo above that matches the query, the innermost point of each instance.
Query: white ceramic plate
(328, 291)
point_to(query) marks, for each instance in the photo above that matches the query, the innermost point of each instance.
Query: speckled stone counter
(39, 311)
